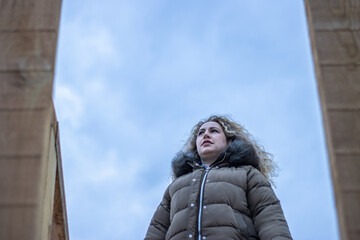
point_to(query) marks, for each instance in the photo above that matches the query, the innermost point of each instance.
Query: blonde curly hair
(234, 130)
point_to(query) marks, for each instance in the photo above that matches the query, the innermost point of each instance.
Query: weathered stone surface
(28, 39)
(348, 166)
(335, 14)
(341, 87)
(17, 222)
(29, 15)
(19, 179)
(23, 132)
(29, 51)
(352, 215)
(25, 89)
(345, 131)
(338, 47)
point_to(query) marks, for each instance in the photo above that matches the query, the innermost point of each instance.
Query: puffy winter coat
(230, 199)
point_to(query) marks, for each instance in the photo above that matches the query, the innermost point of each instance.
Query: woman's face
(210, 141)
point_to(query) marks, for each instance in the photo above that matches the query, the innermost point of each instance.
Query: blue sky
(133, 77)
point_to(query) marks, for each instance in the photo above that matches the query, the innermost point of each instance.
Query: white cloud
(89, 47)
(69, 106)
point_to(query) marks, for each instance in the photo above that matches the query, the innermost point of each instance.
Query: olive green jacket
(229, 200)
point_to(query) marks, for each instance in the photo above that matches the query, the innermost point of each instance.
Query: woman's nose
(206, 134)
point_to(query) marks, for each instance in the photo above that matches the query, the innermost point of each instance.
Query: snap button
(203, 237)
(193, 179)
(192, 204)
(190, 236)
(204, 207)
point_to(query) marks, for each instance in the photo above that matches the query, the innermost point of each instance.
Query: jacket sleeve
(265, 208)
(160, 222)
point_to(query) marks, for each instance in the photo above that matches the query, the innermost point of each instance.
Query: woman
(221, 189)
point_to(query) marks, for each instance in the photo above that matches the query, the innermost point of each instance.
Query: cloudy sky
(133, 77)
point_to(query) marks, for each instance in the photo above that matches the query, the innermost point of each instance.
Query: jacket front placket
(197, 196)
(196, 200)
(201, 199)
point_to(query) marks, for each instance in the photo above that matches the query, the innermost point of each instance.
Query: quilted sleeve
(160, 222)
(265, 208)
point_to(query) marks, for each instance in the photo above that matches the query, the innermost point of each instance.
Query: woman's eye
(214, 130)
(200, 133)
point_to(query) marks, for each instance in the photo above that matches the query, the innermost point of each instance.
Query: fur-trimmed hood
(238, 153)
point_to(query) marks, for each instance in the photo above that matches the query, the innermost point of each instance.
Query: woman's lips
(206, 142)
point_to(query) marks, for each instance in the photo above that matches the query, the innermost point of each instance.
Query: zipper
(201, 200)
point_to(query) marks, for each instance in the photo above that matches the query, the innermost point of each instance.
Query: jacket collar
(238, 153)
